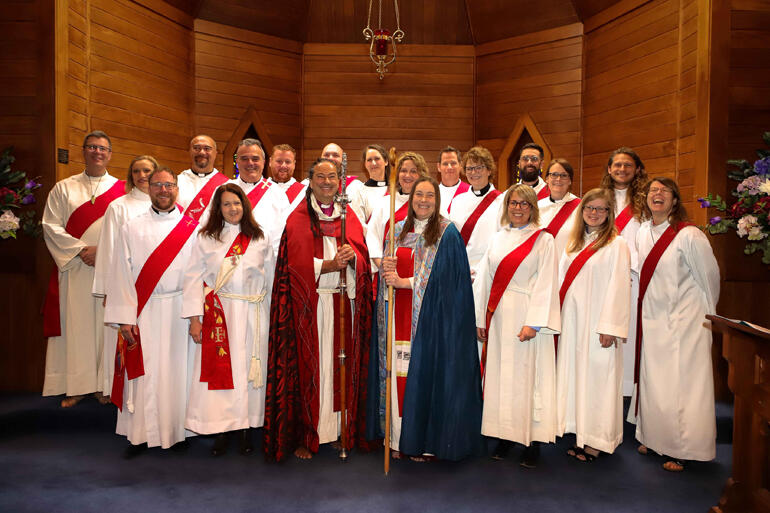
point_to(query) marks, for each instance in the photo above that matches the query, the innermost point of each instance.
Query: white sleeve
(64, 248)
(192, 289)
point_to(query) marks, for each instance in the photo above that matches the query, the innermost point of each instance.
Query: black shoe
(245, 446)
(132, 451)
(530, 456)
(181, 446)
(501, 451)
(221, 442)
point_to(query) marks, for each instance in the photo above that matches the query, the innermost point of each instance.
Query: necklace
(94, 190)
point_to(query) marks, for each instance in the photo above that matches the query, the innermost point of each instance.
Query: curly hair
(636, 197)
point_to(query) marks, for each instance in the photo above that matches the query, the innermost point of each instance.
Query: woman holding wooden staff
(227, 298)
(517, 308)
(436, 392)
(595, 277)
(678, 286)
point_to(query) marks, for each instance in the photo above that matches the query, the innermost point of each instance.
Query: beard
(529, 174)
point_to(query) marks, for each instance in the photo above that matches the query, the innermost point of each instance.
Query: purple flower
(26, 200)
(762, 167)
(704, 203)
(31, 185)
(715, 220)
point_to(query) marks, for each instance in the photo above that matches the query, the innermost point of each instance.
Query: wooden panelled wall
(424, 104)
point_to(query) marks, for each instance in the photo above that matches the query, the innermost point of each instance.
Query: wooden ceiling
(423, 21)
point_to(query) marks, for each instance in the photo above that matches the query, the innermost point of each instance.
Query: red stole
(399, 216)
(402, 316)
(293, 190)
(623, 218)
(572, 271)
(470, 223)
(544, 193)
(128, 359)
(256, 194)
(77, 224)
(503, 276)
(645, 276)
(561, 216)
(201, 200)
(216, 367)
(463, 187)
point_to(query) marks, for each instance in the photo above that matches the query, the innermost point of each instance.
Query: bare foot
(303, 453)
(642, 449)
(69, 402)
(103, 399)
(395, 454)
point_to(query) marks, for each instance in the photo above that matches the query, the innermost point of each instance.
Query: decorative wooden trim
(356, 49)
(611, 13)
(167, 11)
(524, 121)
(250, 117)
(535, 38)
(247, 36)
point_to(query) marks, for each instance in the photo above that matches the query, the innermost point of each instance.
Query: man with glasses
(144, 300)
(450, 185)
(197, 184)
(530, 160)
(72, 222)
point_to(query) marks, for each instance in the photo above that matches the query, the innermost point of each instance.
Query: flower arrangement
(16, 191)
(749, 216)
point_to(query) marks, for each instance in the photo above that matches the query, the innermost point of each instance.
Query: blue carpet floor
(55, 460)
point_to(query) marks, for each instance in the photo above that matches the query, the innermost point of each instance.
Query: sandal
(674, 465)
(69, 402)
(586, 457)
(574, 451)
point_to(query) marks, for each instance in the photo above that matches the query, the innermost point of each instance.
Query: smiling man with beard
(530, 160)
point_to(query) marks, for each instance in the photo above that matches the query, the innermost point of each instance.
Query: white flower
(765, 187)
(9, 223)
(756, 233)
(746, 224)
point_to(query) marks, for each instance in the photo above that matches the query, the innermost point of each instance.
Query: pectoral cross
(189, 221)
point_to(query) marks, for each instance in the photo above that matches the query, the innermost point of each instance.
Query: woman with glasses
(227, 288)
(517, 313)
(595, 277)
(557, 211)
(436, 389)
(678, 286)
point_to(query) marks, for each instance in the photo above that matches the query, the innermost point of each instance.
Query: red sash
(463, 187)
(503, 276)
(201, 200)
(470, 223)
(645, 276)
(399, 216)
(561, 216)
(402, 316)
(256, 194)
(294, 190)
(623, 218)
(348, 180)
(544, 193)
(128, 359)
(216, 367)
(572, 271)
(77, 224)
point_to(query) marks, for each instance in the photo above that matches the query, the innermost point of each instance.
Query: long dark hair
(216, 222)
(637, 196)
(433, 228)
(315, 224)
(383, 153)
(678, 212)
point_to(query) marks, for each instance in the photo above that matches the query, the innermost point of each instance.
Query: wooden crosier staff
(390, 309)
(342, 199)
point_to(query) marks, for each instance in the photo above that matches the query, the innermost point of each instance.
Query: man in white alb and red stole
(302, 407)
(334, 152)
(530, 161)
(477, 212)
(558, 209)
(626, 178)
(197, 184)
(450, 185)
(72, 222)
(282, 164)
(144, 299)
(268, 203)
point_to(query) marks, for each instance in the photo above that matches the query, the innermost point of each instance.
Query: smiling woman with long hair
(227, 298)
(436, 393)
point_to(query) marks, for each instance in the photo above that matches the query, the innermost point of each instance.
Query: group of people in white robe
(577, 301)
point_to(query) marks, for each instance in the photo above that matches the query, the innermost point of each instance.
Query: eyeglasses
(97, 147)
(558, 176)
(519, 204)
(475, 168)
(530, 158)
(664, 190)
(163, 185)
(205, 149)
(594, 210)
